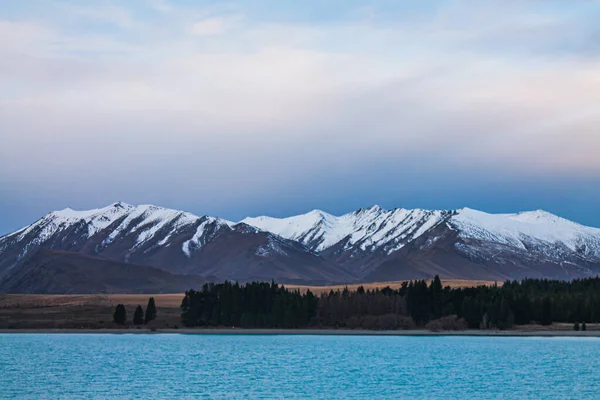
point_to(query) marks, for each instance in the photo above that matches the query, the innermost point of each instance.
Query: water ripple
(43, 366)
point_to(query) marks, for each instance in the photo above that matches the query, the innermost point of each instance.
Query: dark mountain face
(370, 244)
(245, 254)
(52, 272)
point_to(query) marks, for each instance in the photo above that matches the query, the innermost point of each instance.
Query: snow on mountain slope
(367, 229)
(527, 229)
(141, 226)
(314, 227)
(370, 243)
(95, 220)
(200, 237)
(373, 229)
(148, 220)
(172, 240)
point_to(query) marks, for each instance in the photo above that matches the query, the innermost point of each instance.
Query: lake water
(52, 366)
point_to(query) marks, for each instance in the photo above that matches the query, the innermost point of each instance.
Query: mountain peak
(317, 213)
(313, 218)
(374, 209)
(70, 213)
(537, 214)
(120, 204)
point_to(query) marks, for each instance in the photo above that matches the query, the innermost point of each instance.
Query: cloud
(221, 99)
(161, 6)
(211, 26)
(20, 36)
(108, 13)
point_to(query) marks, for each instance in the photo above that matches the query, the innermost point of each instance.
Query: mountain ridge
(317, 247)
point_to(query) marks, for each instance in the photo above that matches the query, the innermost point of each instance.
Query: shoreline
(310, 332)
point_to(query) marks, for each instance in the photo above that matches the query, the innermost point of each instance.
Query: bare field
(51, 300)
(454, 283)
(56, 300)
(172, 300)
(91, 311)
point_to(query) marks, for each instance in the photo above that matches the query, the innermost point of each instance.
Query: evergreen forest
(415, 304)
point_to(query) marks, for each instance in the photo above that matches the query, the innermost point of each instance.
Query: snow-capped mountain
(498, 245)
(143, 228)
(371, 244)
(176, 241)
(549, 233)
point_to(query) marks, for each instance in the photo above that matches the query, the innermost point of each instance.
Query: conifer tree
(120, 315)
(437, 295)
(505, 320)
(546, 312)
(138, 316)
(150, 311)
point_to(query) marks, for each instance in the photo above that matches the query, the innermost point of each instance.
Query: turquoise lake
(53, 366)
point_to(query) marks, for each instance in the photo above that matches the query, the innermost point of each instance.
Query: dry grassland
(454, 283)
(92, 311)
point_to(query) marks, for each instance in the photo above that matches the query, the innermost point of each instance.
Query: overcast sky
(279, 107)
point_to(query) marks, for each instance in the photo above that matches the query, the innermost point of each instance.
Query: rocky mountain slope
(52, 272)
(369, 244)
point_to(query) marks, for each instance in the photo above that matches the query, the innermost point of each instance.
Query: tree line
(139, 317)
(415, 303)
(256, 304)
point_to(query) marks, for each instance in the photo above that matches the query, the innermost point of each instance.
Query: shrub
(386, 322)
(449, 323)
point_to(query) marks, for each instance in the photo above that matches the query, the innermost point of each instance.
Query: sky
(263, 107)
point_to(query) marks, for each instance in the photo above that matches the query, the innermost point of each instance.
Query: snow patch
(271, 247)
(200, 237)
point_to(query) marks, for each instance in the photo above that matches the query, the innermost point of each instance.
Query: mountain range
(71, 251)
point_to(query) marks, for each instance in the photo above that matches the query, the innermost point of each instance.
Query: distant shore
(333, 332)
